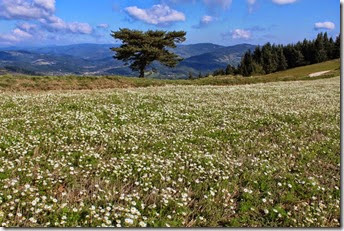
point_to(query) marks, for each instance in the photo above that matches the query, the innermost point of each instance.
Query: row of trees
(272, 58)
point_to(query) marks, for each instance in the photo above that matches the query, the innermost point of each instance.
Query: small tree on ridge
(140, 49)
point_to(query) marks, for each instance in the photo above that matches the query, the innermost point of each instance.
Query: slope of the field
(175, 156)
(10, 82)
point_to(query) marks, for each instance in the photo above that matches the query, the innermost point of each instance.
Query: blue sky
(225, 22)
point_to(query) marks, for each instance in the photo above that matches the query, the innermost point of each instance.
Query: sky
(224, 22)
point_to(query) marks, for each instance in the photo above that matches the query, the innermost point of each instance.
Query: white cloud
(8, 39)
(23, 9)
(41, 11)
(157, 15)
(324, 25)
(79, 28)
(225, 4)
(55, 23)
(103, 26)
(241, 34)
(210, 3)
(205, 20)
(28, 27)
(48, 5)
(251, 4)
(21, 34)
(283, 2)
(15, 36)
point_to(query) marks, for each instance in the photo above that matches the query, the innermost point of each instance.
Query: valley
(96, 59)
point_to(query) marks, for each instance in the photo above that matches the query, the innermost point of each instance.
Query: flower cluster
(250, 156)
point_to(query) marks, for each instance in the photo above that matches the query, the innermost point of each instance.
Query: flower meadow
(262, 155)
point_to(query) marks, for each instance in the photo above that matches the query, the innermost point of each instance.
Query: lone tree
(140, 49)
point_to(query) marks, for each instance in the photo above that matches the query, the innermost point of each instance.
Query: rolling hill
(14, 82)
(218, 58)
(96, 59)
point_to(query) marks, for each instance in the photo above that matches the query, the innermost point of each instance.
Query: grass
(262, 155)
(44, 83)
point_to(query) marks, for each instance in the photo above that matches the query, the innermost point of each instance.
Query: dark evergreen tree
(247, 64)
(230, 70)
(336, 51)
(282, 61)
(218, 72)
(307, 51)
(257, 55)
(294, 56)
(269, 60)
(330, 48)
(320, 54)
(190, 75)
(275, 58)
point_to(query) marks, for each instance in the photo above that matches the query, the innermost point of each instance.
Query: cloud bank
(241, 34)
(205, 21)
(225, 4)
(103, 26)
(283, 2)
(42, 14)
(156, 15)
(324, 25)
(251, 4)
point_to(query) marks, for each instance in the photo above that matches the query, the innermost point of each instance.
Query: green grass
(299, 73)
(262, 155)
(39, 83)
(333, 65)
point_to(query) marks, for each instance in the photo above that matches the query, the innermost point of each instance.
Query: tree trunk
(142, 73)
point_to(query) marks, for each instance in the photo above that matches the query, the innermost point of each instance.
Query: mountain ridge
(97, 59)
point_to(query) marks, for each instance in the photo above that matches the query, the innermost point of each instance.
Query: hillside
(96, 59)
(87, 51)
(187, 51)
(219, 58)
(265, 155)
(10, 82)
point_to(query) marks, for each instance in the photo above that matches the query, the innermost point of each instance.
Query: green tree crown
(139, 49)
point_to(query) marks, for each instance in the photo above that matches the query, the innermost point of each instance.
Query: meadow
(15, 83)
(259, 155)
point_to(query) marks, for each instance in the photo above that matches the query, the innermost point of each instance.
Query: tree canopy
(139, 49)
(269, 58)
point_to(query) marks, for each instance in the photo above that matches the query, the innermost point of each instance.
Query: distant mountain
(42, 63)
(187, 51)
(218, 58)
(85, 51)
(96, 59)
(99, 51)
